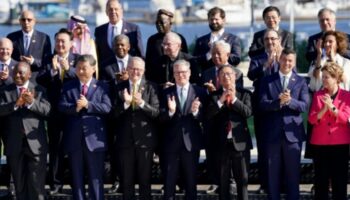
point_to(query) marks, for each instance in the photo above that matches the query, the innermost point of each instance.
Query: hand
(195, 105)
(127, 97)
(28, 59)
(210, 86)
(124, 75)
(285, 97)
(228, 92)
(271, 59)
(64, 64)
(55, 63)
(319, 45)
(82, 102)
(172, 104)
(28, 97)
(138, 97)
(332, 54)
(20, 101)
(168, 84)
(326, 99)
(4, 74)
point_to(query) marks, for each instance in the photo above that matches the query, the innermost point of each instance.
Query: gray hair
(138, 60)
(181, 62)
(173, 37)
(324, 10)
(221, 43)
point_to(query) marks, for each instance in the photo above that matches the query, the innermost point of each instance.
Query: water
(193, 30)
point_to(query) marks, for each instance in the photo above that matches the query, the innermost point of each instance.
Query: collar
(287, 75)
(137, 83)
(125, 59)
(63, 57)
(119, 25)
(25, 85)
(7, 62)
(178, 87)
(218, 34)
(30, 34)
(87, 84)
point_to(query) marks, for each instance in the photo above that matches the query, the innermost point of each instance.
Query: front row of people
(182, 109)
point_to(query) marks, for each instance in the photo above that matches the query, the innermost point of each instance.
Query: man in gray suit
(24, 108)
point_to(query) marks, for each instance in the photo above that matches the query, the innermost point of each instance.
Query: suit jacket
(109, 68)
(330, 130)
(311, 51)
(39, 48)
(183, 127)
(24, 123)
(236, 114)
(137, 127)
(155, 50)
(9, 80)
(287, 119)
(162, 72)
(87, 125)
(129, 29)
(202, 47)
(257, 47)
(210, 74)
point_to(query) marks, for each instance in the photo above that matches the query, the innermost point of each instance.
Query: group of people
(97, 100)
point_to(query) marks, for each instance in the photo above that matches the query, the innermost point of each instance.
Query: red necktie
(84, 89)
(228, 101)
(21, 90)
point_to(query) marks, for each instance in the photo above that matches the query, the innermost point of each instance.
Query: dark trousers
(93, 163)
(331, 164)
(139, 160)
(188, 162)
(28, 172)
(235, 161)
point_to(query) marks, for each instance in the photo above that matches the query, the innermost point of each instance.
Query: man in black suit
(216, 20)
(228, 110)
(23, 106)
(30, 45)
(60, 70)
(327, 21)
(181, 114)
(272, 19)
(154, 43)
(105, 33)
(136, 107)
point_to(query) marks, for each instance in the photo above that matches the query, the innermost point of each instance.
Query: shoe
(57, 189)
(212, 189)
(116, 188)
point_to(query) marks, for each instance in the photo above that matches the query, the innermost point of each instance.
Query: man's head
(78, 26)
(27, 21)
(271, 40)
(85, 67)
(220, 52)
(227, 77)
(326, 19)
(121, 45)
(272, 17)
(216, 19)
(6, 49)
(171, 44)
(114, 11)
(21, 73)
(287, 61)
(182, 72)
(63, 41)
(136, 69)
(164, 21)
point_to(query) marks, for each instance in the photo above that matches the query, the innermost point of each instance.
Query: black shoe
(212, 189)
(57, 189)
(116, 188)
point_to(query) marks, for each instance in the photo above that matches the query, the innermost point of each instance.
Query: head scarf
(80, 46)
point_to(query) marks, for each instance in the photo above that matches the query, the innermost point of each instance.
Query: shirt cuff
(195, 114)
(219, 103)
(142, 104)
(53, 72)
(126, 105)
(171, 114)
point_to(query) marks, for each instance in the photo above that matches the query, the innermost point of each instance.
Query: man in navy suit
(327, 21)
(284, 97)
(85, 102)
(30, 45)
(181, 113)
(272, 19)
(105, 33)
(216, 19)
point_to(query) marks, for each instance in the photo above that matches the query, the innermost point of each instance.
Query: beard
(215, 27)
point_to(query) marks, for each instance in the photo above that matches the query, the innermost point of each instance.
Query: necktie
(84, 89)
(21, 90)
(2, 67)
(26, 44)
(228, 100)
(134, 90)
(217, 82)
(182, 98)
(114, 32)
(121, 65)
(284, 83)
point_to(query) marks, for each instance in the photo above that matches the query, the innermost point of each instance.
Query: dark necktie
(84, 89)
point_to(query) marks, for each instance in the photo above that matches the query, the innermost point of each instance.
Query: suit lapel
(32, 43)
(92, 88)
(21, 43)
(277, 83)
(189, 100)
(292, 82)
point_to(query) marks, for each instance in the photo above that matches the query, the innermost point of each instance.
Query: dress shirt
(3, 64)
(25, 86)
(287, 78)
(234, 99)
(119, 26)
(214, 38)
(122, 62)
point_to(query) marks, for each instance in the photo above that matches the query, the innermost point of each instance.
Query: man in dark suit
(228, 111)
(24, 107)
(327, 21)
(30, 45)
(162, 72)
(60, 70)
(272, 19)
(114, 69)
(136, 107)
(85, 102)
(181, 113)
(216, 20)
(283, 97)
(154, 43)
(105, 33)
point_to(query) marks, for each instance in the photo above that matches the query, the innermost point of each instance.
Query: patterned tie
(134, 90)
(182, 98)
(84, 89)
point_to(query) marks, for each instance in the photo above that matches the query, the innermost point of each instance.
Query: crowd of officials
(97, 99)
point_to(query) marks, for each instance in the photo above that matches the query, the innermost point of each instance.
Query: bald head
(27, 21)
(6, 49)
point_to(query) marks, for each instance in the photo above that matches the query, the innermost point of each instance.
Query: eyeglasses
(168, 44)
(26, 19)
(180, 72)
(226, 73)
(135, 69)
(270, 38)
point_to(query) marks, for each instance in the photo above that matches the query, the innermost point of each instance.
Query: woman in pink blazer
(329, 115)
